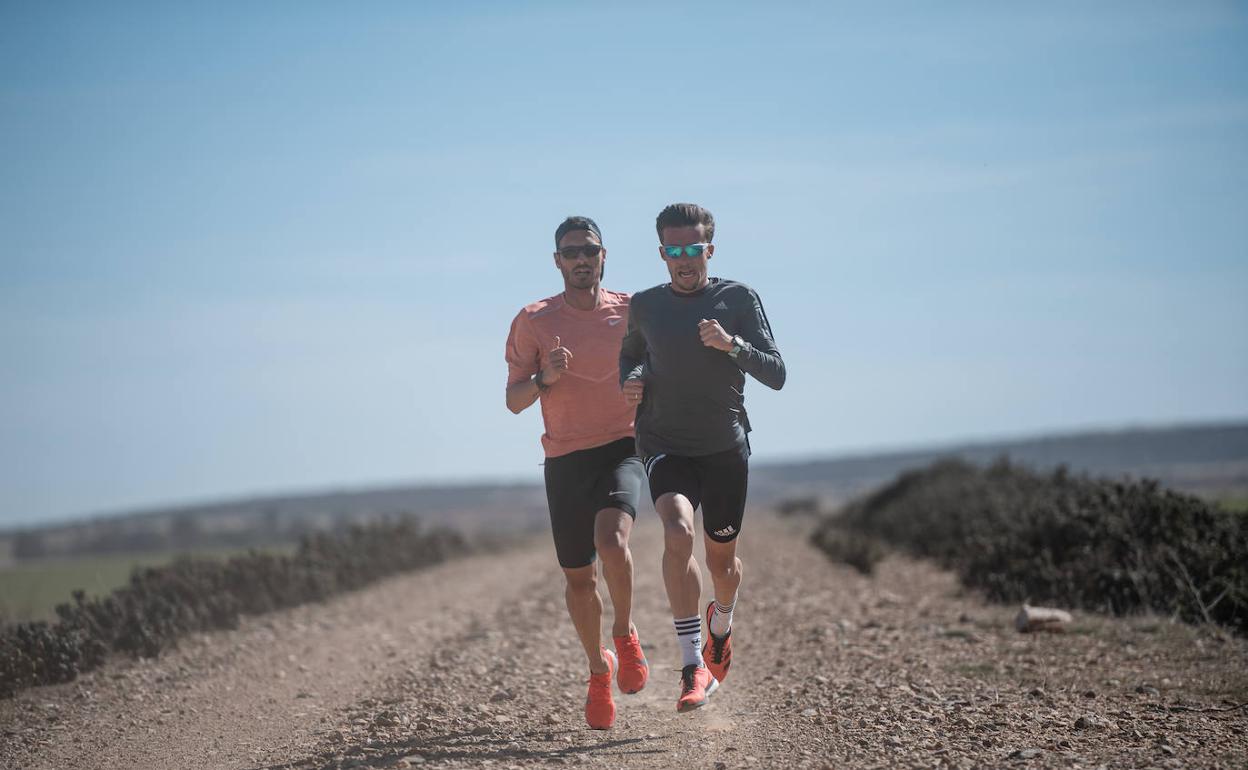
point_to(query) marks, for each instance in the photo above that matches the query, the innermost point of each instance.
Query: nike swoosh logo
(613, 321)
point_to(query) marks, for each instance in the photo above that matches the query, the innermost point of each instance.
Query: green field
(1237, 504)
(31, 591)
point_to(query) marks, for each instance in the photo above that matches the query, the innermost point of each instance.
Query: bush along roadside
(1070, 540)
(161, 604)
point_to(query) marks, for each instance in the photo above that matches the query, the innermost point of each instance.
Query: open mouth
(686, 275)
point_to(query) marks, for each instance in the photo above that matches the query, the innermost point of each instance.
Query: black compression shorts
(717, 482)
(579, 485)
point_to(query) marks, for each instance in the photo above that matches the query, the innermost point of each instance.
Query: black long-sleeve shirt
(694, 400)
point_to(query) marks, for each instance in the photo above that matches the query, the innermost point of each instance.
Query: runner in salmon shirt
(564, 350)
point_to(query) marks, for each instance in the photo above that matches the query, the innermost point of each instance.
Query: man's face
(581, 267)
(688, 273)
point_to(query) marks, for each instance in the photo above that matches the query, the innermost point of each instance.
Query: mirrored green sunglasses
(693, 250)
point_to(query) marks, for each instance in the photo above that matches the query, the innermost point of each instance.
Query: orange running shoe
(696, 686)
(716, 653)
(599, 706)
(634, 669)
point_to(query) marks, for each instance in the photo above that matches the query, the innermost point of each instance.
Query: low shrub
(1095, 544)
(851, 547)
(161, 604)
(799, 506)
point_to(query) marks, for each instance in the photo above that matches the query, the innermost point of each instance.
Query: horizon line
(866, 452)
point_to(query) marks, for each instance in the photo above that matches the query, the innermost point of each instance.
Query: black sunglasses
(590, 250)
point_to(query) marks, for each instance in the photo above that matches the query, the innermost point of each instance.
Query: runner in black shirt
(690, 343)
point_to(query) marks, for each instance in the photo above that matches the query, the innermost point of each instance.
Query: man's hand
(633, 390)
(556, 364)
(714, 336)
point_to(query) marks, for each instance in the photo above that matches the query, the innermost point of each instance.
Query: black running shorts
(717, 482)
(579, 485)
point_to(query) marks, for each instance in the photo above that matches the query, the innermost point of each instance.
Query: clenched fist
(557, 361)
(714, 336)
(634, 390)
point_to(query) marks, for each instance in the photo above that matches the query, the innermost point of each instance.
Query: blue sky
(256, 248)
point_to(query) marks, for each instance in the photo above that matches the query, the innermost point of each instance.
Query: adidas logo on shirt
(721, 306)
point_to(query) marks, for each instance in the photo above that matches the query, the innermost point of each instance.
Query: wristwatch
(737, 345)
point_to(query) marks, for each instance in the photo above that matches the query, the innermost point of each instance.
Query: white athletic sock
(721, 617)
(689, 634)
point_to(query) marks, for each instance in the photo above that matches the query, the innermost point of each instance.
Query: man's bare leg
(611, 530)
(585, 609)
(725, 569)
(683, 579)
(681, 575)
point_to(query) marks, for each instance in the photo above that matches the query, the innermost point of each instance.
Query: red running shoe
(716, 653)
(599, 705)
(696, 686)
(634, 670)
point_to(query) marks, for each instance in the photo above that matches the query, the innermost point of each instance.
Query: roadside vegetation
(1234, 504)
(1109, 546)
(31, 590)
(162, 603)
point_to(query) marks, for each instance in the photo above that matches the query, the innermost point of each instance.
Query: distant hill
(279, 519)
(1210, 460)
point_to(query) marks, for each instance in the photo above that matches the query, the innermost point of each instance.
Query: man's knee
(721, 559)
(581, 580)
(678, 536)
(611, 545)
(723, 567)
(674, 509)
(677, 516)
(611, 532)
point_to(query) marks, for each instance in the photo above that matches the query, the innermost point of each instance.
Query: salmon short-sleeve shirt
(586, 407)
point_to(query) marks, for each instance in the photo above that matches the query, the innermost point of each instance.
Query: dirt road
(474, 664)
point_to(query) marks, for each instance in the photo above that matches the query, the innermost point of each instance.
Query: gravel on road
(474, 663)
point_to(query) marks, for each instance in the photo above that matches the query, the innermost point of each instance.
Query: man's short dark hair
(686, 215)
(576, 223)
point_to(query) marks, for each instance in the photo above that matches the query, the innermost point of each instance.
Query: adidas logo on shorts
(726, 531)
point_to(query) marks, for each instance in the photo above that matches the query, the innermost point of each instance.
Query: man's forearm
(765, 366)
(521, 395)
(630, 370)
(632, 352)
(631, 365)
